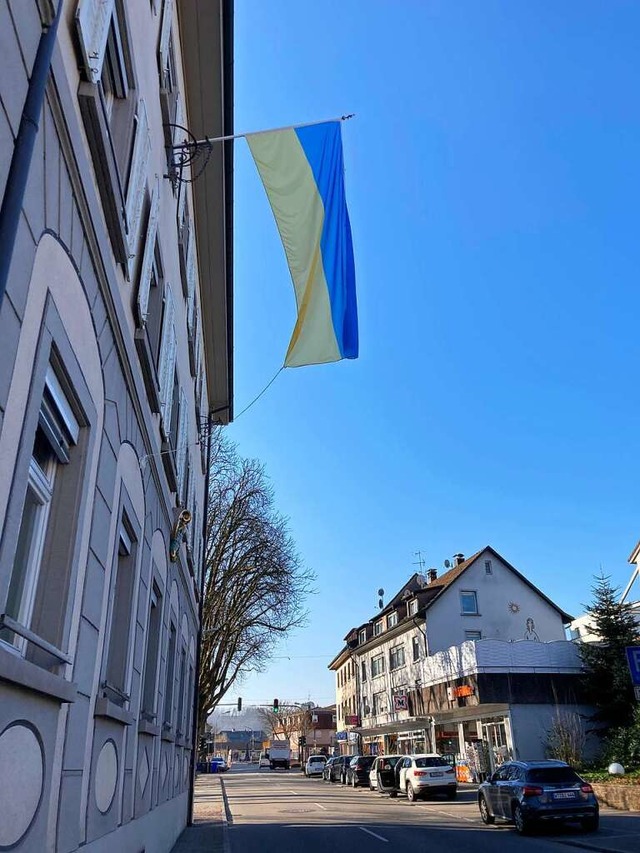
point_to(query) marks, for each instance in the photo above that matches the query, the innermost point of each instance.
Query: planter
(618, 796)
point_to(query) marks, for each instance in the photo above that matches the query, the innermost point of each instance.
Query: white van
(264, 760)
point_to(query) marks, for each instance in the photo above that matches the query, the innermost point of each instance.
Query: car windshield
(317, 759)
(553, 775)
(365, 761)
(431, 761)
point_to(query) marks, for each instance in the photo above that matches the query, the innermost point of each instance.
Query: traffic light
(275, 706)
(239, 703)
(302, 740)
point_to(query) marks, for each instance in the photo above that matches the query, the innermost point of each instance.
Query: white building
(115, 348)
(478, 654)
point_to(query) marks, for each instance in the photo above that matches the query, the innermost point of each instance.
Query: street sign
(633, 659)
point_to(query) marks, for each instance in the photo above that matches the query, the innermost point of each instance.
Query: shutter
(148, 257)
(167, 359)
(138, 173)
(181, 450)
(93, 19)
(191, 284)
(165, 35)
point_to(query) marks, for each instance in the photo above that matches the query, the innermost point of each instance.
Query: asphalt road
(283, 812)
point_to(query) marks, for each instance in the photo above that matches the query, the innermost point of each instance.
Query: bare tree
(255, 583)
(567, 737)
(290, 720)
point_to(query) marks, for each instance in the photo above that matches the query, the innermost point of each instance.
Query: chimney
(458, 558)
(432, 575)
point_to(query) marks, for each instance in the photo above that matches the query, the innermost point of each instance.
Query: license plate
(564, 795)
(433, 775)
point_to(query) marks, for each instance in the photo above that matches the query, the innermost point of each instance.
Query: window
(366, 710)
(468, 603)
(413, 607)
(396, 657)
(364, 670)
(380, 703)
(150, 307)
(119, 632)
(377, 629)
(169, 678)
(392, 619)
(377, 666)
(488, 567)
(154, 626)
(415, 646)
(50, 475)
(116, 122)
(473, 635)
(182, 674)
(362, 637)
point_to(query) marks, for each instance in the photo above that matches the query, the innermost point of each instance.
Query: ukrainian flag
(302, 171)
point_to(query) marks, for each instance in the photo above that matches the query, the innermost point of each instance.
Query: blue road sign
(633, 659)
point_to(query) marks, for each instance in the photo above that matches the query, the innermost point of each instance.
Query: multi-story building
(477, 655)
(115, 343)
(308, 728)
(347, 699)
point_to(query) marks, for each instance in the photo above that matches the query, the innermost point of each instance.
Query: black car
(336, 769)
(532, 792)
(358, 770)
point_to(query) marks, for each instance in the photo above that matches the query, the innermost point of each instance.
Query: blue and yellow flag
(303, 174)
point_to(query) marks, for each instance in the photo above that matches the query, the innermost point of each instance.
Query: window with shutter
(148, 258)
(181, 448)
(137, 178)
(165, 36)
(93, 19)
(167, 361)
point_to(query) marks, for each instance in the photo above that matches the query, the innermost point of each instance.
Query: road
(283, 812)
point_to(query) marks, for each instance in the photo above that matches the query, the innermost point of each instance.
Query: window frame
(416, 649)
(378, 667)
(468, 592)
(467, 633)
(397, 658)
(378, 628)
(392, 619)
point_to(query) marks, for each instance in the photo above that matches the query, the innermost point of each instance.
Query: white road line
(320, 806)
(297, 793)
(375, 834)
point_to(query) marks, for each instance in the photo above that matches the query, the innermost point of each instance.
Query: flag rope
(255, 399)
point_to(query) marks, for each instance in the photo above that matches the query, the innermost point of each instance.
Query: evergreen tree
(606, 678)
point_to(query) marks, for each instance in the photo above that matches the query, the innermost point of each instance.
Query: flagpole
(207, 140)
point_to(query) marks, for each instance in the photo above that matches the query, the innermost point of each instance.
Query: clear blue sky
(493, 182)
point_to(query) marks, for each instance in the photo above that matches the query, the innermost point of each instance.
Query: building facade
(473, 663)
(115, 337)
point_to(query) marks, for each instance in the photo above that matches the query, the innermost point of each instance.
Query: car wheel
(591, 824)
(523, 827)
(485, 815)
(411, 793)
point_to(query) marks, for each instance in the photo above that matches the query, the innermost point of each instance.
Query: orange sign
(464, 690)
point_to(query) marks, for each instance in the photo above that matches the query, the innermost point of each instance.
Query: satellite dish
(380, 603)
(380, 591)
(447, 564)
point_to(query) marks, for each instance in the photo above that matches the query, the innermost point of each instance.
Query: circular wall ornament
(513, 607)
(22, 763)
(106, 776)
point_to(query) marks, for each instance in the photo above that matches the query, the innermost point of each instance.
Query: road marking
(375, 834)
(297, 793)
(320, 806)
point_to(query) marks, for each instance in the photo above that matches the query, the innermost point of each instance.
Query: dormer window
(362, 637)
(392, 619)
(413, 607)
(377, 629)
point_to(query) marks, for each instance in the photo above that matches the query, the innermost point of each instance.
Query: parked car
(315, 765)
(337, 768)
(392, 760)
(327, 772)
(531, 792)
(218, 765)
(358, 770)
(427, 773)
(264, 761)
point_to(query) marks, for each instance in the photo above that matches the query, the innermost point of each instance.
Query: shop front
(479, 738)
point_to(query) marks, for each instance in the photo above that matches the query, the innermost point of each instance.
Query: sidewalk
(209, 830)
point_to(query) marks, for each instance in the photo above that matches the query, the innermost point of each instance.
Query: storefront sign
(352, 720)
(400, 703)
(353, 737)
(464, 690)
(341, 735)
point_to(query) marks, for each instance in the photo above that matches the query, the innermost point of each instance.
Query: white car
(315, 765)
(264, 761)
(373, 773)
(427, 773)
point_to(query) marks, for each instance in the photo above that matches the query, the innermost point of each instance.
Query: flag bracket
(190, 154)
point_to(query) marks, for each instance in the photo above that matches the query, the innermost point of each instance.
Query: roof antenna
(420, 561)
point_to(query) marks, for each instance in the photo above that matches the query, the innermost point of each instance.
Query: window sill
(147, 728)
(167, 734)
(106, 708)
(471, 614)
(17, 670)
